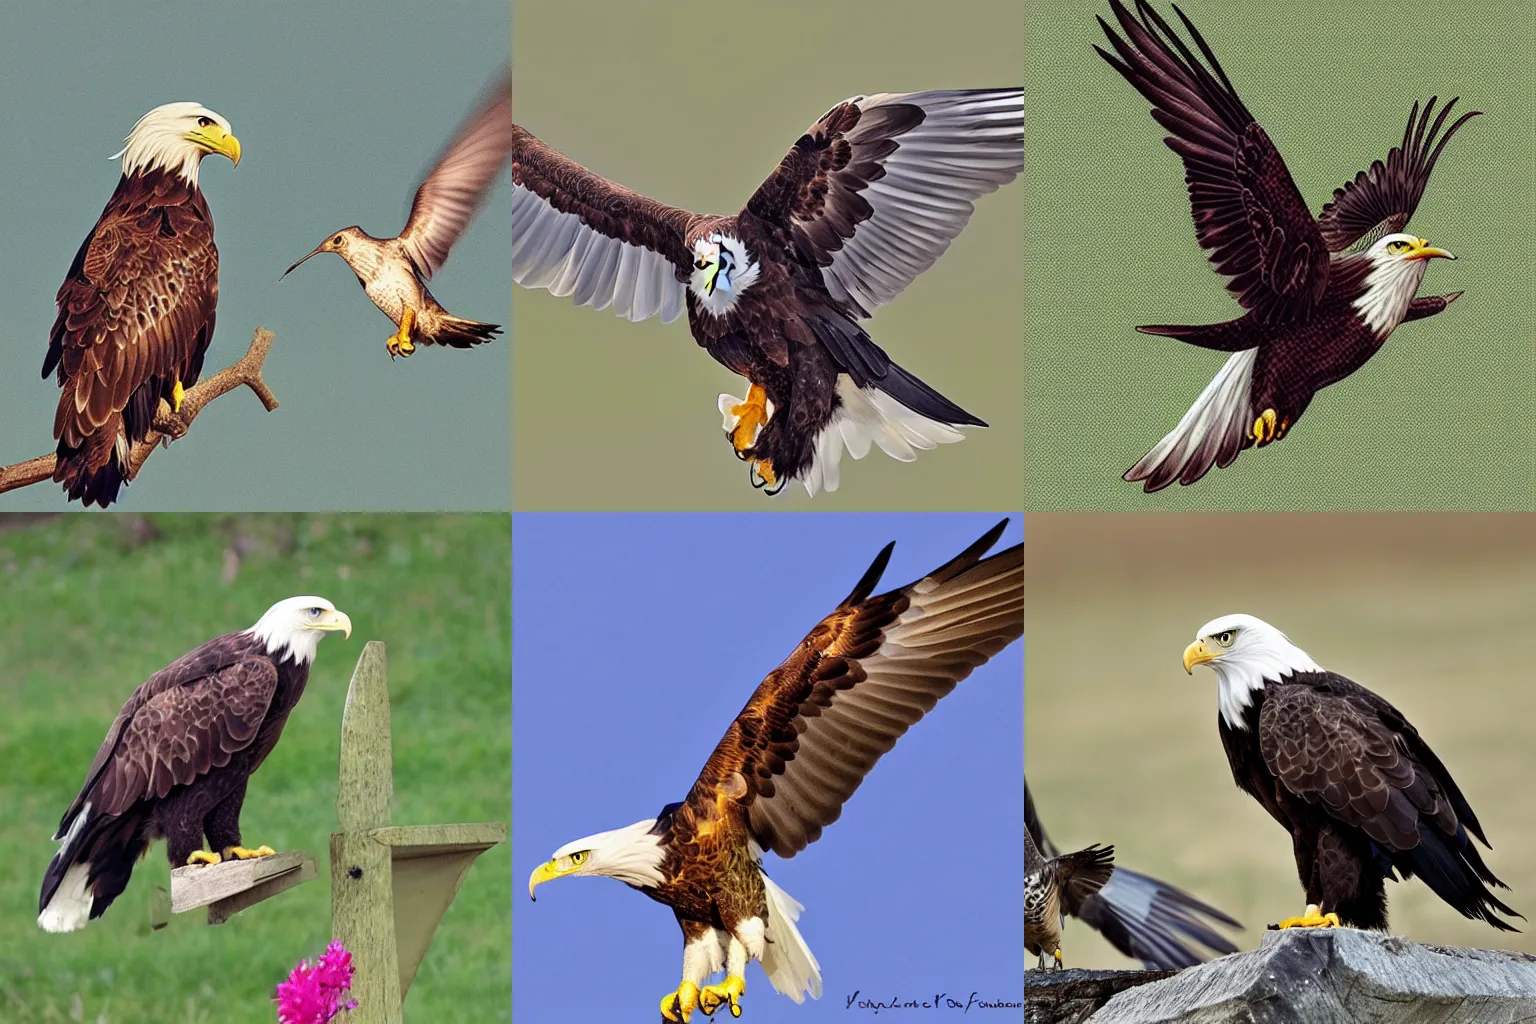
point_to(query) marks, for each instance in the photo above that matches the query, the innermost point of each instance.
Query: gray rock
(1069, 997)
(1338, 976)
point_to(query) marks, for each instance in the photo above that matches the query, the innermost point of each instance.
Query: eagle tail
(789, 963)
(91, 869)
(1211, 433)
(457, 332)
(879, 416)
(95, 470)
(1455, 871)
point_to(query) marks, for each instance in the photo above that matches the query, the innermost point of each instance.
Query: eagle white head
(631, 854)
(1245, 652)
(293, 627)
(175, 137)
(722, 270)
(1398, 262)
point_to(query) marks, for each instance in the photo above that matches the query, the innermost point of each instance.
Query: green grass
(90, 608)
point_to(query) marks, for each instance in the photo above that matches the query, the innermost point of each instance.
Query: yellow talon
(752, 414)
(1059, 964)
(241, 853)
(677, 1006)
(399, 343)
(1264, 427)
(204, 857)
(177, 394)
(727, 993)
(1312, 918)
(762, 475)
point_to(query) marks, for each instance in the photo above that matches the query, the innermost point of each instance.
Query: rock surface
(1070, 997)
(1334, 976)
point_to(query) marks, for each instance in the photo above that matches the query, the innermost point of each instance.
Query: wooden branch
(168, 426)
(228, 888)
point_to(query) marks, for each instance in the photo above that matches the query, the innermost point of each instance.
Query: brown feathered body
(176, 762)
(391, 280)
(1363, 796)
(1057, 886)
(136, 314)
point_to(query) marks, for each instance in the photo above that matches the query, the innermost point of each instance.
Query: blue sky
(340, 110)
(636, 640)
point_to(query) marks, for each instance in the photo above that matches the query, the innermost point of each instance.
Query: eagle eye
(204, 122)
(1224, 638)
(577, 858)
(1397, 245)
(313, 613)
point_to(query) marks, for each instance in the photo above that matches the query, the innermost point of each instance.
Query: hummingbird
(394, 271)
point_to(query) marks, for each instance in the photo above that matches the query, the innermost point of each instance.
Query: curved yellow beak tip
(543, 873)
(1425, 251)
(232, 149)
(1196, 654)
(346, 624)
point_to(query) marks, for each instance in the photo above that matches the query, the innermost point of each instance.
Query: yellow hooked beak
(210, 138)
(331, 621)
(557, 868)
(1422, 250)
(1197, 653)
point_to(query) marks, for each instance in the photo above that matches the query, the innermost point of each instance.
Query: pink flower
(313, 993)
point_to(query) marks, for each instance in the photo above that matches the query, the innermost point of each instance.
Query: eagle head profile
(175, 137)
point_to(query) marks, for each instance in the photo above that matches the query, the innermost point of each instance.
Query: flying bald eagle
(1361, 793)
(791, 759)
(176, 762)
(1058, 885)
(869, 197)
(1322, 296)
(136, 309)
(1141, 916)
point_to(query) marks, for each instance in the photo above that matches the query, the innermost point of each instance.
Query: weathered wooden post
(389, 884)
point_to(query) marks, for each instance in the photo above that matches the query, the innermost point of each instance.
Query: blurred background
(341, 109)
(1432, 612)
(639, 639)
(696, 110)
(92, 606)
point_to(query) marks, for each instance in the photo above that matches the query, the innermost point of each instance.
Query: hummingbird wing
(446, 201)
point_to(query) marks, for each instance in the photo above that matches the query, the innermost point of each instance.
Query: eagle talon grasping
(678, 1006)
(1312, 918)
(1264, 428)
(241, 853)
(727, 993)
(203, 857)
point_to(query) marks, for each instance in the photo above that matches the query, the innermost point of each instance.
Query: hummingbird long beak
(290, 270)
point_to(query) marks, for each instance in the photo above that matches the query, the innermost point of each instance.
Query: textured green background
(1442, 417)
(695, 105)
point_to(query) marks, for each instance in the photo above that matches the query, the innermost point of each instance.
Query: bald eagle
(1364, 797)
(176, 762)
(787, 764)
(1322, 295)
(868, 198)
(136, 310)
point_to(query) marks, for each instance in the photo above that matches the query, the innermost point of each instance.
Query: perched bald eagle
(1363, 796)
(176, 762)
(136, 309)
(869, 197)
(1056, 886)
(1322, 296)
(1141, 916)
(787, 764)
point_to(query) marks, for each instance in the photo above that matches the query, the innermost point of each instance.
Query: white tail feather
(869, 416)
(789, 963)
(1210, 434)
(70, 908)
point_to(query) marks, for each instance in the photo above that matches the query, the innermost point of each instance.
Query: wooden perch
(168, 426)
(228, 888)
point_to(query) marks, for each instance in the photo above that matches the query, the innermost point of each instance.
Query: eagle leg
(678, 1006)
(745, 420)
(241, 853)
(727, 993)
(1264, 428)
(1312, 918)
(399, 343)
(177, 394)
(204, 857)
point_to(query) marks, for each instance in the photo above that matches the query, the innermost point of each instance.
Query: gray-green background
(695, 105)
(340, 111)
(1443, 416)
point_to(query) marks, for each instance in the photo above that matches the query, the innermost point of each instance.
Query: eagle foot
(678, 1006)
(1059, 965)
(744, 420)
(761, 474)
(1264, 428)
(727, 993)
(1312, 918)
(204, 857)
(241, 853)
(399, 345)
(177, 394)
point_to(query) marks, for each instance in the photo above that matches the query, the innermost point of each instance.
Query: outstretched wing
(1248, 212)
(1380, 200)
(137, 304)
(859, 680)
(875, 191)
(1082, 874)
(578, 234)
(448, 198)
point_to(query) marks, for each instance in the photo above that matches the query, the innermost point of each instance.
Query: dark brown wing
(1082, 874)
(137, 305)
(448, 198)
(578, 234)
(190, 716)
(859, 680)
(1248, 212)
(874, 192)
(1380, 200)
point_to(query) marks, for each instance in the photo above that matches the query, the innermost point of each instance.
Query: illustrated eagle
(136, 310)
(1058, 885)
(176, 762)
(787, 764)
(1364, 797)
(1322, 296)
(868, 198)
(1141, 916)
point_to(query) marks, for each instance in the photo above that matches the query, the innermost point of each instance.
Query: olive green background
(1442, 417)
(695, 105)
